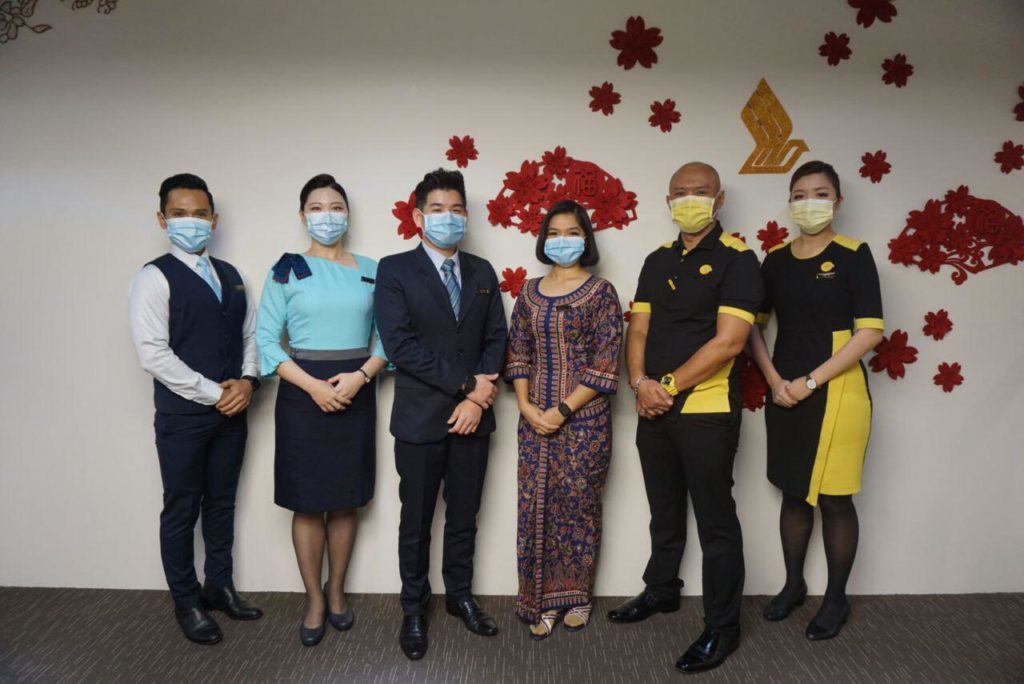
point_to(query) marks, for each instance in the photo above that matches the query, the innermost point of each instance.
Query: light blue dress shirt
(437, 259)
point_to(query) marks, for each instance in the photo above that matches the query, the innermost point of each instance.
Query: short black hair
(439, 179)
(812, 167)
(183, 181)
(322, 180)
(590, 255)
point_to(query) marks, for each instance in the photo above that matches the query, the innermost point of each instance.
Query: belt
(330, 354)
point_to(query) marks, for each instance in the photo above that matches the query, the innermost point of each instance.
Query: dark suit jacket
(432, 351)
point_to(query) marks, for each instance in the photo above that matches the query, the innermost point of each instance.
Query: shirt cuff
(604, 383)
(209, 392)
(516, 371)
(640, 307)
(738, 313)
(870, 323)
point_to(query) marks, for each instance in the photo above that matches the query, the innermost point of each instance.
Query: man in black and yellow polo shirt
(693, 309)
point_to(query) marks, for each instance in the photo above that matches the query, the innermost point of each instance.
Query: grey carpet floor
(73, 635)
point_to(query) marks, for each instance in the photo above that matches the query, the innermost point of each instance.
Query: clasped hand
(652, 400)
(543, 422)
(789, 393)
(336, 393)
(235, 398)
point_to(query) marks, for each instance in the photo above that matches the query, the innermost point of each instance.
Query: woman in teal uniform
(325, 416)
(823, 288)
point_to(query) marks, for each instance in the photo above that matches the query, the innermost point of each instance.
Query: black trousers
(694, 453)
(461, 463)
(200, 459)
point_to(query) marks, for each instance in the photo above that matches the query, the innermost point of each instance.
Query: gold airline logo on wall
(826, 270)
(770, 127)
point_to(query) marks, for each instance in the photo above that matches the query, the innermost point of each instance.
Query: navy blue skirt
(324, 461)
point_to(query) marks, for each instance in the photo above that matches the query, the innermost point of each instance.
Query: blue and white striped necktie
(206, 271)
(448, 271)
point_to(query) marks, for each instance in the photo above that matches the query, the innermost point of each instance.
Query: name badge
(368, 279)
(483, 291)
(240, 288)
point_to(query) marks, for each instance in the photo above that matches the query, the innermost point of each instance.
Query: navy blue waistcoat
(204, 333)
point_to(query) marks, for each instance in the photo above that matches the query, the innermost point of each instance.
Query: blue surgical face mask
(444, 230)
(326, 227)
(564, 251)
(191, 234)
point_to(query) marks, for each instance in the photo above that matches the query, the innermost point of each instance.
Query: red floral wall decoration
(1011, 157)
(892, 355)
(949, 376)
(512, 281)
(1019, 109)
(968, 233)
(869, 10)
(461, 150)
(527, 193)
(875, 166)
(836, 48)
(627, 311)
(603, 98)
(937, 324)
(407, 228)
(664, 115)
(636, 44)
(896, 70)
(771, 235)
(753, 385)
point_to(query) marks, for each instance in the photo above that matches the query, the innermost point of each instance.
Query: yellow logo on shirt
(705, 269)
(827, 266)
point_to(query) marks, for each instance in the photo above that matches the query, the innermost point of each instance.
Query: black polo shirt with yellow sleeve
(684, 291)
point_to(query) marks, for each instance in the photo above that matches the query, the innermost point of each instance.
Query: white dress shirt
(438, 260)
(149, 311)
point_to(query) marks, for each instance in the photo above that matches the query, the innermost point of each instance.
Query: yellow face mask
(812, 215)
(693, 213)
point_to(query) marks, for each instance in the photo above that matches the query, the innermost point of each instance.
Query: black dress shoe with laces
(709, 651)
(198, 626)
(473, 616)
(230, 602)
(782, 605)
(643, 606)
(827, 623)
(413, 637)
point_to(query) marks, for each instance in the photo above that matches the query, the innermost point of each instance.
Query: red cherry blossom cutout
(968, 233)
(836, 48)
(603, 98)
(636, 44)
(741, 238)
(896, 70)
(869, 10)
(626, 313)
(461, 150)
(875, 166)
(753, 385)
(771, 235)
(513, 281)
(949, 376)
(1019, 109)
(527, 193)
(407, 228)
(1011, 157)
(892, 354)
(664, 115)
(937, 324)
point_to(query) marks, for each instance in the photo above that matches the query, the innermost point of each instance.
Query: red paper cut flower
(742, 238)
(937, 324)
(753, 386)
(771, 235)
(664, 115)
(556, 162)
(513, 281)
(869, 10)
(897, 70)
(875, 166)
(892, 353)
(629, 309)
(500, 211)
(462, 150)
(407, 228)
(603, 98)
(1019, 109)
(636, 44)
(1011, 157)
(835, 48)
(948, 376)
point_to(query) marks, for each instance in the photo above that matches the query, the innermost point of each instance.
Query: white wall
(95, 113)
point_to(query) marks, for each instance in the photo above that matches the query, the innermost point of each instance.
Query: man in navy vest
(193, 327)
(440, 316)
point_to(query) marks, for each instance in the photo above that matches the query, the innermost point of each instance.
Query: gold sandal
(543, 628)
(578, 617)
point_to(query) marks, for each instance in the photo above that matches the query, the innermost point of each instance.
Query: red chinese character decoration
(968, 233)
(529, 192)
(892, 354)
(512, 281)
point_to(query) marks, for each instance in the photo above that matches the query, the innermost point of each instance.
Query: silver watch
(811, 383)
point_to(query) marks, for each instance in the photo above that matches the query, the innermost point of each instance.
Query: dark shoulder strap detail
(288, 264)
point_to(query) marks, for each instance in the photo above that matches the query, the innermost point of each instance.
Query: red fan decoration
(892, 353)
(969, 233)
(513, 281)
(869, 10)
(897, 70)
(836, 48)
(937, 324)
(603, 98)
(636, 44)
(949, 376)
(1011, 157)
(875, 166)
(462, 150)
(753, 385)
(407, 228)
(664, 115)
(527, 193)
(771, 235)
(1019, 109)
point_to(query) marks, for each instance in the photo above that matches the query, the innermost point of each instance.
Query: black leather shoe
(198, 626)
(780, 607)
(227, 600)
(340, 621)
(413, 637)
(643, 606)
(820, 629)
(311, 636)
(709, 651)
(473, 616)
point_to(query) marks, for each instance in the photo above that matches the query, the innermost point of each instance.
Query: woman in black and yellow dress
(823, 288)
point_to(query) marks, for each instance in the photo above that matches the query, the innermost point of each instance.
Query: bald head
(693, 176)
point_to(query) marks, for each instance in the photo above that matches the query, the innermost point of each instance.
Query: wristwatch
(668, 381)
(564, 409)
(812, 384)
(253, 380)
(468, 386)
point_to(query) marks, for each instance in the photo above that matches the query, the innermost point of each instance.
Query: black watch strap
(253, 380)
(468, 385)
(564, 409)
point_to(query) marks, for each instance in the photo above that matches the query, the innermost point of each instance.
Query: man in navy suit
(440, 316)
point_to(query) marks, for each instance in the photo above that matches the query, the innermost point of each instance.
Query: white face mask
(812, 215)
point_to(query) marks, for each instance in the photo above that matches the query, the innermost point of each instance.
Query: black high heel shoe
(340, 621)
(819, 630)
(779, 609)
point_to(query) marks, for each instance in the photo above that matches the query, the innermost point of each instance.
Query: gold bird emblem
(770, 127)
